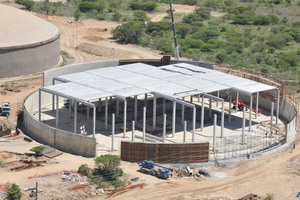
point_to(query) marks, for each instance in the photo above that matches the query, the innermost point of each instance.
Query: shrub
(84, 169)
(130, 32)
(203, 13)
(140, 15)
(116, 16)
(14, 192)
(140, 5)
(77, 14)
(183, 30)
(190, 18)
(278, 40)
(38, 150)
(157, 26)
(221, 57)
(207, 47)
(193, 43)
(27, 3)
(261, 20)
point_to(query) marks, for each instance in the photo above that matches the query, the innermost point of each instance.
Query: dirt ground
(277, 174)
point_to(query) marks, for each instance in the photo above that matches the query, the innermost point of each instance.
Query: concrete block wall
(62, 140)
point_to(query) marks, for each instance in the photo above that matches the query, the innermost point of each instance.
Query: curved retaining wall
(28, 60)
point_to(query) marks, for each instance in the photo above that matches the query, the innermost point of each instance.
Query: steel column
(133, 135)
(202, 113)
(217, 102)
(57, 117)
(118, 108)
(135, 108)
(236, 103)
(194, 124)
(75, 116)
(164, 128)
(271, 125)
(209, 114)
(256, 105)
(94, 121)
(144, 123)
(146, 100)
(164, 105)
(106, 113)
(215, 131)
(174, 119)
(277, 106)
(250, 113)
(113, 133)
(222, 120)
(244, 123)
(184, 132)
(125, 118)
(154, 113)
(230, 101)
(40, 105)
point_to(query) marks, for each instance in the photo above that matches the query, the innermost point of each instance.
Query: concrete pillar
(125, 118)
(106, 113)
(182, 114)
(174, 119)
(256, 105)
(87, 113)
(271, 124)
(57, 111)
(94, 121)
(277, 105)
(118, 108)
(144, 123)
(230, 101)
(202, 113)
(53, 100)
(209, 114)
(75, 116)
(215, 131)
(217, 102)
(250, 113)
(184, 132)
(154, 113)
(146, 100)
(133, 128)
(40, 105)
(222, 120)
(243, 125)
(236, 103)
(164, 128)
(135, 108)
(164, 106)
(194, 124)
(112, 133)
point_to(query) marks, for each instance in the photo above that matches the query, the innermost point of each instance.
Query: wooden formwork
(168, 153)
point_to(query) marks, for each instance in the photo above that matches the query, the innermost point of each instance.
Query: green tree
(183, 30)
(130, 32)
(14, 192)
(27, 3)
(140, 15)
(84, 169)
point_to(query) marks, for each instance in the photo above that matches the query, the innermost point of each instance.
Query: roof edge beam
(174, 99)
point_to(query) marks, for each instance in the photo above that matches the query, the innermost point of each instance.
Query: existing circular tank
(28, 44)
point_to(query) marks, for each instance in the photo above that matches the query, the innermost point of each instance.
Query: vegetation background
(261, 35)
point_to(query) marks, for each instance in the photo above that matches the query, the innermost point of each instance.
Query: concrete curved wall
(29, 59)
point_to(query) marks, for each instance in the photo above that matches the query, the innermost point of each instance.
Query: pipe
(215, 131)
(144, 123)
(174, 119)
(271, 125)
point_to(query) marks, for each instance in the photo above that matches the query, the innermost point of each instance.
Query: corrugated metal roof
(175, 81)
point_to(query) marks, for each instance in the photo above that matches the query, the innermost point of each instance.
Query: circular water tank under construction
(177, 112)
(28, 44)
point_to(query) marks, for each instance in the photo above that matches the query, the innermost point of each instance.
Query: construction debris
(204, 173)
(250, 197)
(76, 187)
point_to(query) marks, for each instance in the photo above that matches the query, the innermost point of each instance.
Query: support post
(236, 103)
(230, 101)
(174, 119)
(182, 114)
(53, 101)
(199, 98)
(135, 108)
(70, 107)
(133, 128)
(94, 121)
(215, 131)
(154, 113)
(271, 125)
(244, 123)
(113, 133)
(222, 120)
(40, 105)
(250, 112)
(106, 113)
(202, 113)
(100, 105)
(277, 105)
(191, 100)
(184, 132)
(144, 123)
(125, 118)
(194, 124)
(57, 117)
(256, 105)
(75, 116)
(164, 128)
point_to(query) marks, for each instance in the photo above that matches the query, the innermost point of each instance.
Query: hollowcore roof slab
(174, 81)
(231, 81)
